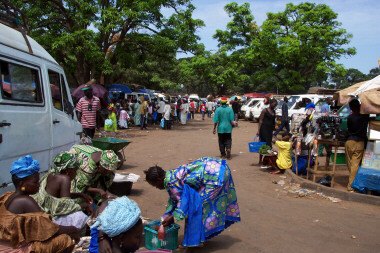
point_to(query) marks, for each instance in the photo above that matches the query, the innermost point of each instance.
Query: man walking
(284, 117)
(357, 125)
(210, 108)
(143, 112)
(224, 120)
(88, 111)
(236, 109)
(160, 110)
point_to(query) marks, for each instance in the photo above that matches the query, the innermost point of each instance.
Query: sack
(108, 122)
(255, 145)
(162, 123)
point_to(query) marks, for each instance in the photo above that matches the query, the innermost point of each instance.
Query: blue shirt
(223, 117)
(325, 108)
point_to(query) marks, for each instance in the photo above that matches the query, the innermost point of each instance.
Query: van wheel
(119, 164)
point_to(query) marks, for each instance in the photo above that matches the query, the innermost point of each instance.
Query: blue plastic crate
(151, 236)
(255, 146)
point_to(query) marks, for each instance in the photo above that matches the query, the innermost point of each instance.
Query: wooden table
(330, 144)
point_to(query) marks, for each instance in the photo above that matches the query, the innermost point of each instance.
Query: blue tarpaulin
(367, 180)
(145, 91)
(119, 88)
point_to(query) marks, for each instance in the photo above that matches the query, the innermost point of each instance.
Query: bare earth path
(273, 220)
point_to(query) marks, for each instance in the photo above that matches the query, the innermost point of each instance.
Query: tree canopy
(100, 38)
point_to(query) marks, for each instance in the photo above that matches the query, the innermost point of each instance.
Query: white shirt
(161, 106)
(210, 106)
(167, 111)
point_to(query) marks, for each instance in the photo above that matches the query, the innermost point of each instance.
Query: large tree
(100, 38)
(298, 47)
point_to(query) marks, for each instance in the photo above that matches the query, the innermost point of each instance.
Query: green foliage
(105, 38)
(292, 50)
(343, 78)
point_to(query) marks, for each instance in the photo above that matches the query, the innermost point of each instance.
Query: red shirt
(88, 119)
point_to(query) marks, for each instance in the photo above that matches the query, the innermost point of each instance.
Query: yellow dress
(284, 159)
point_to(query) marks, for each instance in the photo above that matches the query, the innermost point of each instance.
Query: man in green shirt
(224, 120)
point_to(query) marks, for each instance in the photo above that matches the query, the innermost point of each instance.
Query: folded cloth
(77, 219)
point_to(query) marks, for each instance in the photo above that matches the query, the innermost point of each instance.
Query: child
(283, 160)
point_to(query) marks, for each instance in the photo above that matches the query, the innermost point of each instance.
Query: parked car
(36, 108)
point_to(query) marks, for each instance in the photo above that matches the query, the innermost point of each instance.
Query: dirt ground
(273, 219)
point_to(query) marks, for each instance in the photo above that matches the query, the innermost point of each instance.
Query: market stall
(368, 92)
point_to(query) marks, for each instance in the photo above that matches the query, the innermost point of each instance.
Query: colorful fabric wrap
(24, 167)
(65, 160)
(223, 100)
(118, 217)
(109, 160)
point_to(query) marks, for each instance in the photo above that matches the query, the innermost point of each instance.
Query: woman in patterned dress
(203, 192)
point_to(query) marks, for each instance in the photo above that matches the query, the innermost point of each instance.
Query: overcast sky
(359, 17)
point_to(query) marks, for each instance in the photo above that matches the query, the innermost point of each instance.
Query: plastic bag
(108, 122)
(162, 123)
(326, 181)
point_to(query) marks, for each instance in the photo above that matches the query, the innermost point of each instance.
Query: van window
(20, 83)
(55, 88)
(67, 106)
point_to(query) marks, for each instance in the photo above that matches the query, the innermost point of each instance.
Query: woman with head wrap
(203, 193)
(96, 170)
(118, 227)
(112, 127)
(54, 196)
(23, 226)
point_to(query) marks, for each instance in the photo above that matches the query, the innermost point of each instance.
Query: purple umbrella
(98, 91)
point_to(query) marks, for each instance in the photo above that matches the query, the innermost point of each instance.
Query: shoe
(265, 167)
(228, 154)
(222, 156)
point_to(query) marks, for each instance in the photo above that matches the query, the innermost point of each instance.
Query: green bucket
(340, 157)
(151, 236)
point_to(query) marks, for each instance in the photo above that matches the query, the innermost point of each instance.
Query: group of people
(357, 125)
(49, 214)
(122, 113)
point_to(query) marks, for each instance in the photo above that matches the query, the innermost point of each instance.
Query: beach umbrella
(98, 91)
(233, 97)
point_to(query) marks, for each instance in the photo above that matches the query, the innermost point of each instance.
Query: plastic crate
(151, 236)
(340, 157)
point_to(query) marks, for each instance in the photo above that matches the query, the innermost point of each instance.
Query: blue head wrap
(118, 217)
(24, 167)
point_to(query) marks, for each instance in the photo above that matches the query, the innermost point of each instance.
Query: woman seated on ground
(96, 170)
(203, 192)
(284, 159)
(54, 196)
(118, 227)
(23, 226)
